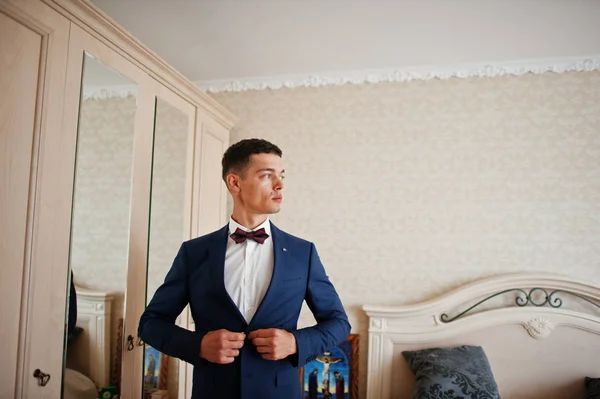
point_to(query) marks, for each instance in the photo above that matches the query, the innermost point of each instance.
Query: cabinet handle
(42, 377)
(130, 342)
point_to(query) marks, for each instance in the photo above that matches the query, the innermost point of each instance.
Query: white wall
(411, 189)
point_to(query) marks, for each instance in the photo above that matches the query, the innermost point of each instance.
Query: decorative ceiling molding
(559, 65)
(107, 92)
(85, 14)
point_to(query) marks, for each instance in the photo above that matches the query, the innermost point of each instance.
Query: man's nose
(279, 184)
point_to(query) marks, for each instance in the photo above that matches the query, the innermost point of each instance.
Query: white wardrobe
(109, 159)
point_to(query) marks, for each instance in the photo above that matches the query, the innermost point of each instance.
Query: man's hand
(221, 346)
(273, 344)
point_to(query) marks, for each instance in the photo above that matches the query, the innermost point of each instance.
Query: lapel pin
(284, 250)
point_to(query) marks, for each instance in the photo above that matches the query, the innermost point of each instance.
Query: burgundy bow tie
(239, 236)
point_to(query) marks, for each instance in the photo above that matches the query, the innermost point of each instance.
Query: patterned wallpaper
(102, 199)
(412, 189)
(102, 193)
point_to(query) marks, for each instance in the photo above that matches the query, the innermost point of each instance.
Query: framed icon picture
(155, 370)
(332, 374)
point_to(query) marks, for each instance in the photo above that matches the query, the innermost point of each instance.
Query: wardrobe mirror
(167, 227)
(99, 232)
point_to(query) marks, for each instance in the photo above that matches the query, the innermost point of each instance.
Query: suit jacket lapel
(216, 258)
(280, 253)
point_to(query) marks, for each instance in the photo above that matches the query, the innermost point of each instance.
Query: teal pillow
(461, 372)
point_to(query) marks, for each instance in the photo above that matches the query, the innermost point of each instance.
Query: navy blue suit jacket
(197, 278)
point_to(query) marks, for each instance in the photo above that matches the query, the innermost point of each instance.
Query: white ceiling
(210, 40)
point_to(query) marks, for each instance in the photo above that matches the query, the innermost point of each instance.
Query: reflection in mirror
(99, 232)
(167, 228)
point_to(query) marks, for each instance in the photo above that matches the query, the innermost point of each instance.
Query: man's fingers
(270, 343)
(221, 346)
(232, 336)
(264, 349)
(262, 341)
(225, 359)
(264, 333)
(269, 356)
(230, 352)
(232, 344)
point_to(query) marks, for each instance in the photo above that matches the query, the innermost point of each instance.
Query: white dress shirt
(248, 269)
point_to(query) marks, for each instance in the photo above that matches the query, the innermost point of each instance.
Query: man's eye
(282, 177)
(267, 176)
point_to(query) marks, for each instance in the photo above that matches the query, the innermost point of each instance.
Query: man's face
(261, 185)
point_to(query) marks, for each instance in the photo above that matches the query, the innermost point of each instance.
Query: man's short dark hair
(237, 157)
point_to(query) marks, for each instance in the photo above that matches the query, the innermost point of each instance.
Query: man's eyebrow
(269, 170)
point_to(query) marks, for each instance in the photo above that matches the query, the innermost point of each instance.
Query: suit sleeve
(332, 325)
(157, 325)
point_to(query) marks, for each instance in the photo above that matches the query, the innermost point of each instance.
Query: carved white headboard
(541, 333)
(90, 352)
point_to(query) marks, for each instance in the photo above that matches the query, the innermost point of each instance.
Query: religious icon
(333, 374)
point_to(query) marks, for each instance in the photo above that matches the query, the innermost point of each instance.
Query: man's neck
(249, 221)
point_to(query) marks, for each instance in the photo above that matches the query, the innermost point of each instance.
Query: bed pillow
(592, 388)
(461, 372)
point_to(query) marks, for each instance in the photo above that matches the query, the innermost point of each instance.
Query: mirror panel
(100, 232)
(167, 226)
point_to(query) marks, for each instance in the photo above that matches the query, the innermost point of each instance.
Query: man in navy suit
(245, 285)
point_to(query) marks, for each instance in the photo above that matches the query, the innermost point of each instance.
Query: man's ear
(233, 182)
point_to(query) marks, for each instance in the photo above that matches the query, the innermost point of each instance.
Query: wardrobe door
(188, 199)
(170, 218)
(211, 192)
(100, 227)
(112, 113)
(209, 207)
(33, 49)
